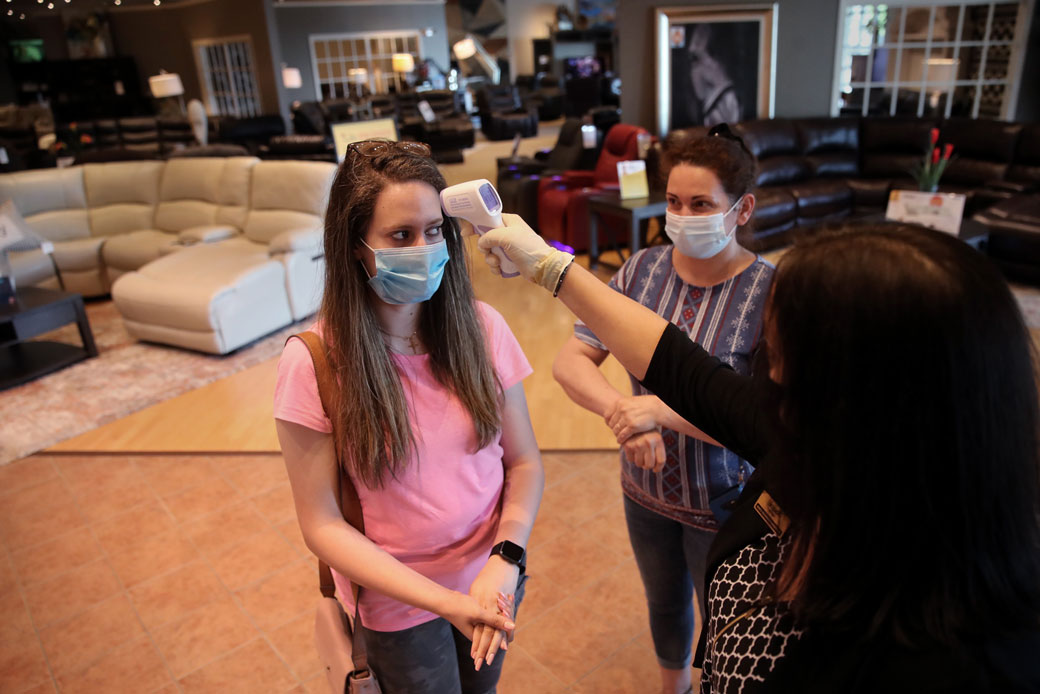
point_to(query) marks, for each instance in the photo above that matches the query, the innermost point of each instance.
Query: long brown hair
(373, 433)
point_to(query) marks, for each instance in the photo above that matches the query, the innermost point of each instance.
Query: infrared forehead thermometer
(478, 203)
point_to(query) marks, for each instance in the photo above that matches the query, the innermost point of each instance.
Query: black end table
(637, 212)
(37, 311)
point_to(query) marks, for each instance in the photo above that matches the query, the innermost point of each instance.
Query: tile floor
(173, 573)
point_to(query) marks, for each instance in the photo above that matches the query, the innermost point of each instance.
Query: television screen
(27, 50)
(355, 131)
(588, 66)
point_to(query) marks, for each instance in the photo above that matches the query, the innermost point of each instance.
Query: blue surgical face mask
(408, 275)
(700, 236)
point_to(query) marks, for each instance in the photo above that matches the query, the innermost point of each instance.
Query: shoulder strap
(348, 500)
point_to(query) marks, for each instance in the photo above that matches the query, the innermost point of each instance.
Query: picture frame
(715, 63)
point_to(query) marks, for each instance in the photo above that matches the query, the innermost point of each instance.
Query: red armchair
(562, 200)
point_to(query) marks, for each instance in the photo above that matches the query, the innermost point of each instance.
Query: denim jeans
(432, 658)
(672, 560)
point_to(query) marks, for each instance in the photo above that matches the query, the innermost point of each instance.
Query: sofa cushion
(774, 207)
(122, 195)
(781, 170)
(770, 137)
(194, 191)
(891, 146)
(823, 135)
(78, 254)
(131, 251)
(287, 195)
(1025, 166)
(820, 199)
(984, 149)
(52, 201)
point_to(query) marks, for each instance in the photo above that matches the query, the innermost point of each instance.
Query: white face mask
(701, 236)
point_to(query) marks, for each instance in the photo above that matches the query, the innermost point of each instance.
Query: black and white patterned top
(745, 637)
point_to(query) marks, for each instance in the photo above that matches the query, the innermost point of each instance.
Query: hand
(634, 414)
(646, 450)
(536, 260)
(496, 581)
(467, 615)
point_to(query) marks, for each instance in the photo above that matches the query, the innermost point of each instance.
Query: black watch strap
(512, 553)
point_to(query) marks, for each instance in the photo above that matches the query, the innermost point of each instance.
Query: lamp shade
(357, 75)
(942, 70)
(291, 78)
(403, 62)
(166, 84)
(464, 49)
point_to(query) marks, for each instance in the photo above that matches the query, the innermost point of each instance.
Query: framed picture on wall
(715, 64)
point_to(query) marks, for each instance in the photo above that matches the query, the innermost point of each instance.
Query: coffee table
(637, 212)
(37, 311)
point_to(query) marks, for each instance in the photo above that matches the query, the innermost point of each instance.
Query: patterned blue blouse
(726, 320)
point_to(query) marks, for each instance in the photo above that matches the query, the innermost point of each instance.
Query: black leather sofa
(816, 170)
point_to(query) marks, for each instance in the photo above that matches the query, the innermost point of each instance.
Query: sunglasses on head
(375, 148)
(722, 130)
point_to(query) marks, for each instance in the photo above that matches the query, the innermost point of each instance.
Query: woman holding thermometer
(672, 474)
(431, 422)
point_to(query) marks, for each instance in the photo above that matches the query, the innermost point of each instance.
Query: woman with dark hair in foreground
(889, 539)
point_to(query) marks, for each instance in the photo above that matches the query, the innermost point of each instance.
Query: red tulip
(948, 151)
(935, 135)
(935, 155)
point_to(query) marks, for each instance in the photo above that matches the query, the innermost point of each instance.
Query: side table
(37, 311)
(637, 212)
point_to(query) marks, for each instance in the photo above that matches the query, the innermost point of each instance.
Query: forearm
(363, 562)
(628, 330)
(585, 384)
(670, 419)
(521, 497)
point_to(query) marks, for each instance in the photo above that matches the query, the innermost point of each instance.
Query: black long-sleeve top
(731, 409)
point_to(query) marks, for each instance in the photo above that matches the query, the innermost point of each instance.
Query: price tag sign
(940, 211)
(632, 177)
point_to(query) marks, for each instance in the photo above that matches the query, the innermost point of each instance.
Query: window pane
(917, 23)
(388, 46)
(992, 100)
(334, 49)
(912, 67)
(347, 48)
(997, 60)
(373, 46)
(337, 71)
(963, 101)
(319, 49)
(907, 101)
(323, 71)
(359, 47)
(974, 28)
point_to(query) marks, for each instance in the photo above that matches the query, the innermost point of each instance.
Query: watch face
(512, 551)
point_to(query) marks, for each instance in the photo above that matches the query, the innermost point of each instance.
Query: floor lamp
(167, 84)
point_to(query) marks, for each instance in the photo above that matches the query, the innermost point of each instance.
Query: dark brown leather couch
(817, 170)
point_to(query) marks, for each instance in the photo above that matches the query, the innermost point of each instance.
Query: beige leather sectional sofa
(208, 253)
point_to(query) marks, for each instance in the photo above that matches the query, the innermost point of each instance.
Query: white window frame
(242, 96)
(1011, 81)
(377, 83)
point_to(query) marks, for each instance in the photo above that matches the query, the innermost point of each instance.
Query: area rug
(126, 376)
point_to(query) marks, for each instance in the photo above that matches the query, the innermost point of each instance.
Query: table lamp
(291, 77)
(403, 64)
(166, 85)
(357, 76)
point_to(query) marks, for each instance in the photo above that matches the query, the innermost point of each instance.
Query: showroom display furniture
(37, 311)
(562, 200)
(447, 135)
(518, 178)
(217, 297)
(815, 170)
(636, 214)
(542, 91)
(252, 132)
(502, 116)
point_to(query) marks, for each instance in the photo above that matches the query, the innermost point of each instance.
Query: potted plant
(933, 164)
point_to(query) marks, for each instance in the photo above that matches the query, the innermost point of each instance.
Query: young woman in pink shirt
(432, 425)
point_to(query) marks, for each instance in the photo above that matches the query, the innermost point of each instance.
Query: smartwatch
(511, 552)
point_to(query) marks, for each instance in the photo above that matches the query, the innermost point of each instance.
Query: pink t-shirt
(440, 515)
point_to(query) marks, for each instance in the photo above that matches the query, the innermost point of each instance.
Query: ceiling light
(50, 5)
(21, 16)
(10, 12)
(156, 2)
(119, 2)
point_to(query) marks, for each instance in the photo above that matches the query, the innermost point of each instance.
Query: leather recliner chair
(502, 116)
(563, 200)
(518, 179)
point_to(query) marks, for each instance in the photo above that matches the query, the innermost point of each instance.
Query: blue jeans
(672, 560)
(432, 658)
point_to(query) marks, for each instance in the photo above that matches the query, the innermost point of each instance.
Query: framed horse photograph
(715, 64)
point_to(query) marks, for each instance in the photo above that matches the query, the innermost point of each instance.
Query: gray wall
(806, 35)
(294, 26)
(160, 38)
